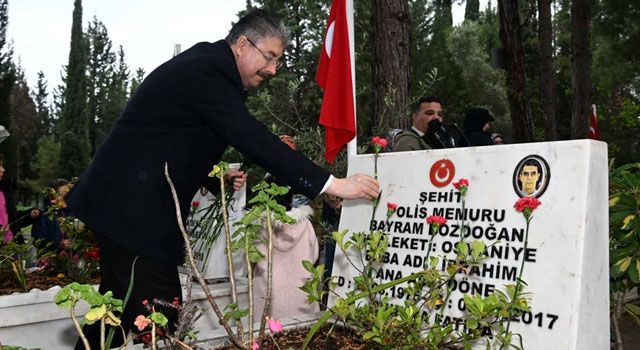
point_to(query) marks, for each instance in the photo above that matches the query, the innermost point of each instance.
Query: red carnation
(391, 208)
(195, 204)
(379, 143)
(436, 219)
(461, 183)
(527, 202)
(93, 253)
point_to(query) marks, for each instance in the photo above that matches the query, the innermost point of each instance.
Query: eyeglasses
(270, 59)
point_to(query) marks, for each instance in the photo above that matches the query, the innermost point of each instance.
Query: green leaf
(477, 249)
(308, 265)
(632, 308)
(463, 249)
(62, 297)
(627, 222)
(159, 319)
(621, 267)
(634, 271)
(95, 313)
(472, 323)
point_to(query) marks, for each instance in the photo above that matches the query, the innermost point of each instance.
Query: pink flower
(176, 302)
(145, 302)
(274, 325)
(255, 346)
(141, 322)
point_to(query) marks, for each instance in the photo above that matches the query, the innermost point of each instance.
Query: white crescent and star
(328, 40)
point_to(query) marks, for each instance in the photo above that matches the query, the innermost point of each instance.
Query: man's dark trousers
(152, 279)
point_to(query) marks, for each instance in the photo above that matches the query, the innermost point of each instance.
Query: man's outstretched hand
(357, 186)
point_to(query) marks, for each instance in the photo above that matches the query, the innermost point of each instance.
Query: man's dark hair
(257, 25)
(57, 183)
(427, 99)
(535, 163)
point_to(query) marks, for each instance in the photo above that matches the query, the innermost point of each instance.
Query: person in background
(292, 244)
(46, 231)
(497, 139)
(477, 122)
(11, 219)
(424, 111)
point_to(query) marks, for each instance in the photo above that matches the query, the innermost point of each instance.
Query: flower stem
(229, 253)
(516, 292)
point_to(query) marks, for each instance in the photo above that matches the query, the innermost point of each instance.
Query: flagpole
(352, 146)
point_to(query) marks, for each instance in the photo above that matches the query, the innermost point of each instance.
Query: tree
(117, 94)
(616, 77)
(45, 164)
(100, 70)
(472, 10)
(74, 119)
(547, 71)
(390, 24)
(43, 109)
(514, 64)
(483, 86)
(7, 78)
(136, 80)
(26, 128)
(581, 13)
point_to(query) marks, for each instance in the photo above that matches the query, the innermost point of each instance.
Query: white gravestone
(567, 258)
(212, 261)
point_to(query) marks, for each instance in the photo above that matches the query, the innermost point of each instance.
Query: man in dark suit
(185, 113)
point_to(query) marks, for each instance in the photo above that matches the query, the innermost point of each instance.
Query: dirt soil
(36, 279)
(338, 339)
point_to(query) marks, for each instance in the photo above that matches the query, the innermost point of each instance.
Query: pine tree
(581, 17)
(7, 79)
(116, 97)
(391, 49)
(510, 35)
(136, 80)
(547, 72)
(74, 119)
(100, 70)
(472, 10)
(26, 129)
(43, 109)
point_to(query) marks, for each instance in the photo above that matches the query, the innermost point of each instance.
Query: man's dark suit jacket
(186, 112)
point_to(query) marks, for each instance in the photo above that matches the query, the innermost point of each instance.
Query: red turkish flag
(337, 114)
(594, 132)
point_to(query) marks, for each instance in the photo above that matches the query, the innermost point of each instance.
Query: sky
(147, 29)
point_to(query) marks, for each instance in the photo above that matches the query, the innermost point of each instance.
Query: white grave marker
(567, 258)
